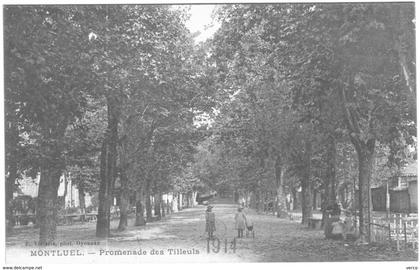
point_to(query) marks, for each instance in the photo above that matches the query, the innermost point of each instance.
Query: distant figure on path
(210, 222)
(240, 222)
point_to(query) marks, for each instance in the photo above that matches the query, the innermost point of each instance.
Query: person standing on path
(210, 221)
(240, 222)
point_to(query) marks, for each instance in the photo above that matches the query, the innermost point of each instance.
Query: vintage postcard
(200, 133)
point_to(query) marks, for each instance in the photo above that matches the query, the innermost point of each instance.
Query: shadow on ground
(276, 240)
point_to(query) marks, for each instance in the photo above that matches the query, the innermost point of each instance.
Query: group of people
(241, 222)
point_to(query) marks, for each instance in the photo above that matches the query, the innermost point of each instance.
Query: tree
(244, 54)
(44, 50)
(345, 73)
(347, 51)
(372, 91)
(131, 54)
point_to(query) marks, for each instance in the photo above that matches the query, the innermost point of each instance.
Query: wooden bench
(315, 223)
(91, 217)
(87, 217)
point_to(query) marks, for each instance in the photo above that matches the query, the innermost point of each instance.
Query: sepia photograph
(210, 133)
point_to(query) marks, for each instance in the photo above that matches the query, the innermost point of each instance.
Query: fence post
(405, 234)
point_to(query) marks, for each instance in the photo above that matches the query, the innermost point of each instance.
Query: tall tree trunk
(158, 203)
(140, 220)
(295, 199)
(281, 197)
(314, 193)
(108, 170)
(179, 201)
(247, 201)
(66, 190)
(187, 199)
(82, 201)
(330, 192)
(124, 201)
(306, 185)
(52, 166)
(236, 196)
(10, 186)
(257, 200)
(324, 205)
(102, 225)
(162, 206)
(149, 216)
(168, 207)
(11, 147)
(365, 154)
(47, 202)
(275, 201)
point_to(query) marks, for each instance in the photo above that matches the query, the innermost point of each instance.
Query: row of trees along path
(295, 95)
(316, 97)
(107, 93)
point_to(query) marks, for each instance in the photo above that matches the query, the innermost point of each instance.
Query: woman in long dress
(210, 222)
(240, 222)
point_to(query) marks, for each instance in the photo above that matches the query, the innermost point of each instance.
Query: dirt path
(183, 232)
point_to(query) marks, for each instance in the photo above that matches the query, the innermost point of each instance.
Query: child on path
(240, 222)
(210, 222)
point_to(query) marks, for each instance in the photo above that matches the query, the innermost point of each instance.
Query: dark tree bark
(179, 202)
(168, 207)
(82, 201)
(281, 197)
(365, 155)
(314, 193)
(108, 170)
(66, 189)
(140, 220)
(295, 199)
(306, 185)
(189, 199)
(329, 196)
(124, 201)
(365, 149)
(275, 201)
(47, 202)
(10, 186)
(11, 164)
(236, 196)
(102, 225)
(157, 205)
(104, 196)
(52, 167)
(162, 205)
(149, 216)
(257, 200)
